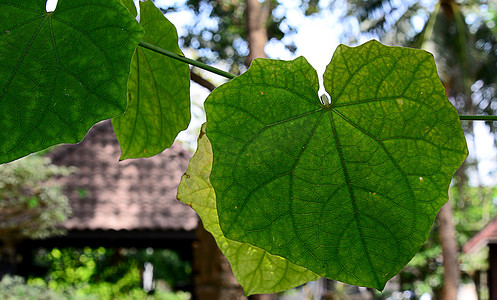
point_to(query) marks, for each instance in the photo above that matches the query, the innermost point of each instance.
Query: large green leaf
(257, 271)
(158, 91)
(348, 189)
(61, 72)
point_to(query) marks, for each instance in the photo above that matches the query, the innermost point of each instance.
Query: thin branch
(201, 81)
(186, 60)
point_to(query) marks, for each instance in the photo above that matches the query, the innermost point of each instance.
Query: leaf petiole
(478, 118)
(186, 60)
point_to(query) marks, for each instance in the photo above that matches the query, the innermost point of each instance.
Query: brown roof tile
(135, 194)
(488, 235)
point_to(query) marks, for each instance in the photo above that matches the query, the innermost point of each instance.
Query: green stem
(478, 118)
(186, 60)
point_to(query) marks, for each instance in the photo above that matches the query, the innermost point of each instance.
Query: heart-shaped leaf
(61, 72)
(348, 189)
(257, 271)
(158, 91)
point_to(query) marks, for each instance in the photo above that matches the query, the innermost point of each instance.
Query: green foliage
(108, 273)
(30, 205)
(255, 269)
(15, 288)
(158, 91)
(62, 71)
(227, 39)
(168, 265)
(460, 34)
(473, 209)
(334, 187)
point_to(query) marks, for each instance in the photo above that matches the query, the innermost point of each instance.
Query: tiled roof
(488, 235)
(135, 194)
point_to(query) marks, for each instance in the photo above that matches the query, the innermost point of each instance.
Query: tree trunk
(449, 252)
(213, 277)
(257, 16)
(447, 234)
(201, 81)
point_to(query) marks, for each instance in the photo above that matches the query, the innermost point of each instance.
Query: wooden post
(213, 277)
(492, 271)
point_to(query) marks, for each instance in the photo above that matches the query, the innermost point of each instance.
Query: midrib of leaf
(21, 59)
(378, 99)
(156, 86)
(143, 51)
(379, 141)
(352, 197)
(344, 167)
(291, 184)
(137, 98)
(385, 150)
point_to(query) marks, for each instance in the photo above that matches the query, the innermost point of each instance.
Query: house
(486, 237)
(129, 203)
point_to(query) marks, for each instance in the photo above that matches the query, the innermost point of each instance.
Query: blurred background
(76, 224)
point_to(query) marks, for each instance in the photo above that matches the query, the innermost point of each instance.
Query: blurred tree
(30, 205)
(231, 31)
(472, 211)
(110, 273)
(459, 34)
